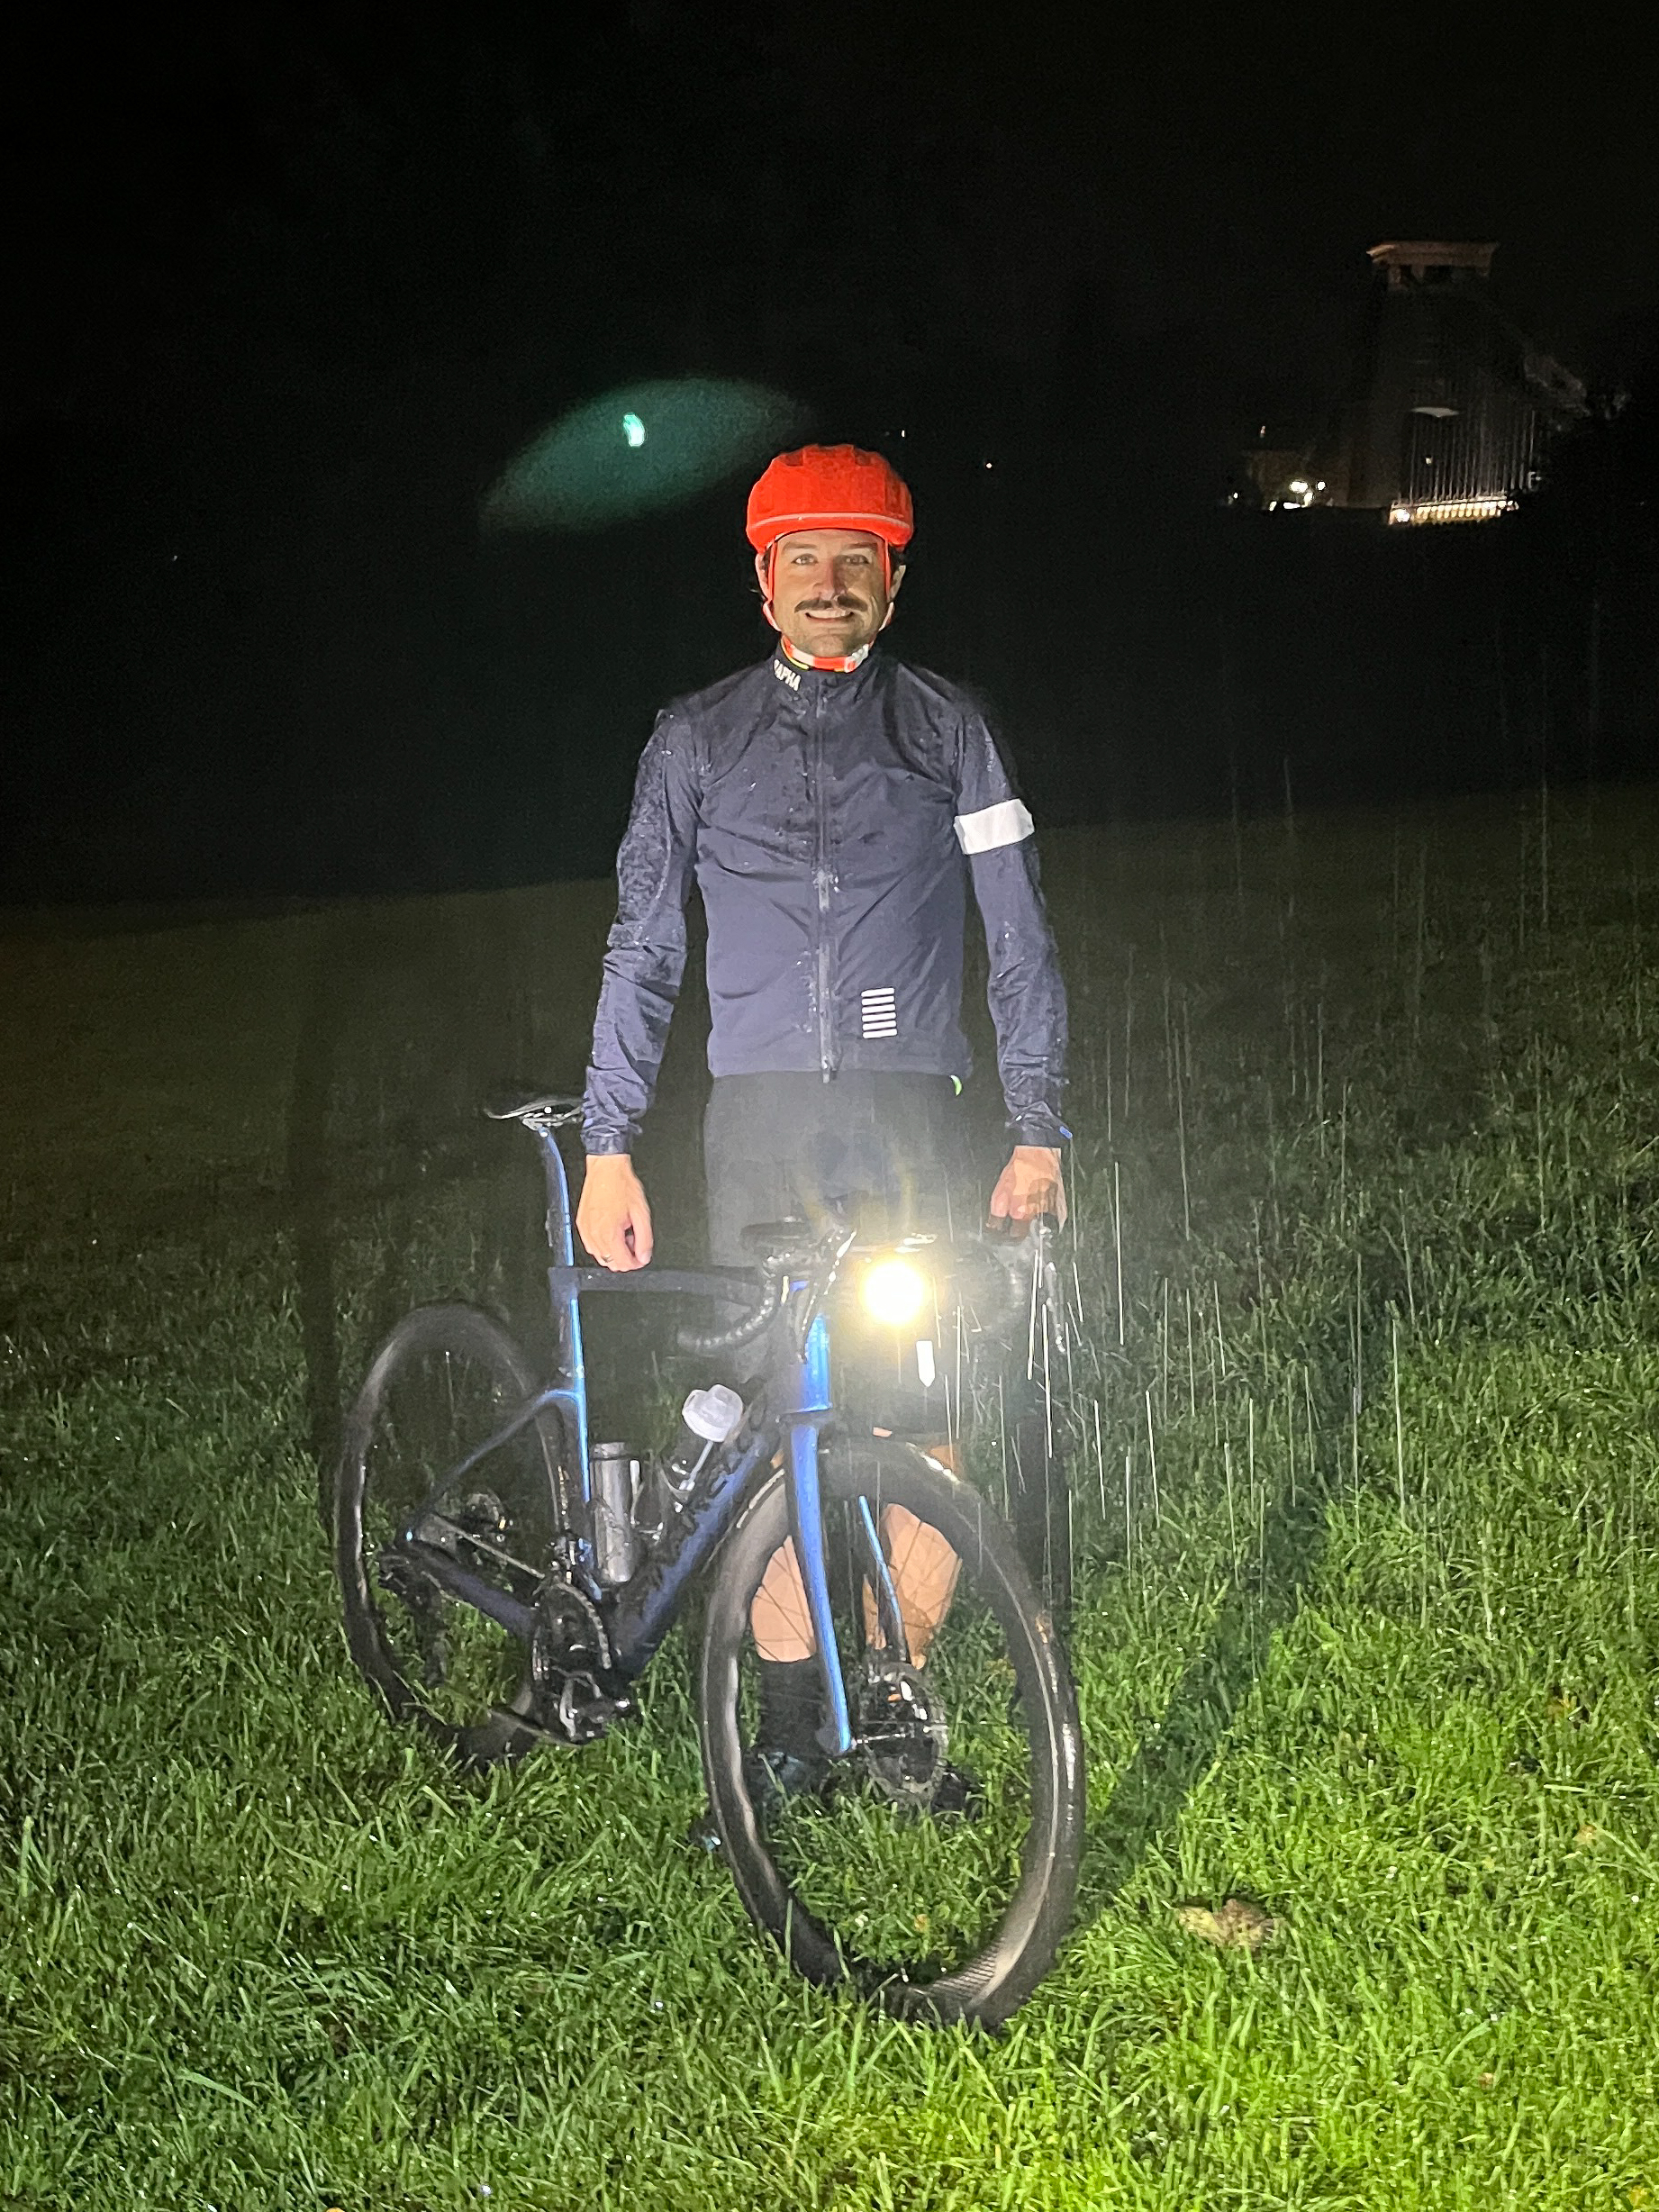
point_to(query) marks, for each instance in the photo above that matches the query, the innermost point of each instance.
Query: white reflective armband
(1005, 823)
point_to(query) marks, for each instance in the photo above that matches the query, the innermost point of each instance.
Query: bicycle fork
(809, 1411)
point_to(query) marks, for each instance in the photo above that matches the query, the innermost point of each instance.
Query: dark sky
(949, 177)
(288, 286)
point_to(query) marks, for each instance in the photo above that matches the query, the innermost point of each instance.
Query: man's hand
(1030, 1185)
(613, 1220)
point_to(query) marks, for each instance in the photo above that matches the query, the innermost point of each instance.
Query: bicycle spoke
(938, 1857)
(441, 1387)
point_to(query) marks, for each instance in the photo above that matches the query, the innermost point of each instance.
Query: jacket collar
(832, 685)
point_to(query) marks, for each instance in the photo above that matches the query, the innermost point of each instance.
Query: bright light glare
(633, 429)
(895, 1291)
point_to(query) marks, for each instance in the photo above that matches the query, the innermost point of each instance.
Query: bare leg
(924, 1579)
(777, 1614)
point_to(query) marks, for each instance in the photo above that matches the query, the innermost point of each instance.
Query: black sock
(792, 1706)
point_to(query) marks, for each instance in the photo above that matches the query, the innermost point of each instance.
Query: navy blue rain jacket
(832, 822)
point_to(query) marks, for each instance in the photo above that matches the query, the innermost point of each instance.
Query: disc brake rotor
(901, 1729)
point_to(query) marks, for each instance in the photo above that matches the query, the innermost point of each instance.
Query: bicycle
(507, 1581)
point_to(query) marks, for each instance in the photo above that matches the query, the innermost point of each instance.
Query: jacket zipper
(826, 1008)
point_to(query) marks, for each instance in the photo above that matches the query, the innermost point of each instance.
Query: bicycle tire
(463, 1680)
(814, 1873)
(1039, 1502)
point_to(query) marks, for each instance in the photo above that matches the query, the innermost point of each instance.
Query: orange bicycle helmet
(831, 487)
(828, 488)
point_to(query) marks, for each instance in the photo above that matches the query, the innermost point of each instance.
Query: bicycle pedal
(506, 1718)
(957, 1795)
(592, 1718)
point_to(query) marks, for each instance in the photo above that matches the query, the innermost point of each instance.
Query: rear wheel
(443, 1382)
(935, 1868)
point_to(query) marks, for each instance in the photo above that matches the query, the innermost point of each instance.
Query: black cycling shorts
(888, 1152)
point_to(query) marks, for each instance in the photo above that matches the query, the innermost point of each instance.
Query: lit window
(1481, 510)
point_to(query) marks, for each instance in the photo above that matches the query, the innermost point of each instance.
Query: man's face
(829, 594)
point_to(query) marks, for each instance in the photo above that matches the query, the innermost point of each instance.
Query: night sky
(289, 289)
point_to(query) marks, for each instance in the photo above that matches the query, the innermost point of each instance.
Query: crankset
(576, 1695)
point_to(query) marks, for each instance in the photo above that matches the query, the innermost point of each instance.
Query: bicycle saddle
(517, 1102)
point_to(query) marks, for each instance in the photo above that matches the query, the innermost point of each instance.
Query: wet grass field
(1367, 1482)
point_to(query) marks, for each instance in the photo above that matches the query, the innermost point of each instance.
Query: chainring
(576, 1695)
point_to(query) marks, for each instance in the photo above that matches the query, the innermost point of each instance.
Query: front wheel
(935, 1868)
(443, 1383)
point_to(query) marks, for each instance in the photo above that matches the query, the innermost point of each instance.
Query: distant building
(1450, 407)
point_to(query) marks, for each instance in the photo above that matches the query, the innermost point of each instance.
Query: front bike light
(894, 1292)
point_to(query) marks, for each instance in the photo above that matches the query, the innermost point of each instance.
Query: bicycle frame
(639, 1613)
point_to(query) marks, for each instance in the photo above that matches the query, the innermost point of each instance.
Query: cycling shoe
(772, 1777)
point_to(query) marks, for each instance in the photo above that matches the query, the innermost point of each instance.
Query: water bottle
(708, 1419)
(614, 1473)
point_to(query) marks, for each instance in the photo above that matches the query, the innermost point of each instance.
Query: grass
(1368, 1506)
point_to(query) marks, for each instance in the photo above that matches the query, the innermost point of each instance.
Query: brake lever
(999, 1229)
(1028, 1261)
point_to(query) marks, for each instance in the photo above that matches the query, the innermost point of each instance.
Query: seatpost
(572, 1397)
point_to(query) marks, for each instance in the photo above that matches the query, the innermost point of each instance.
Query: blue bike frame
(639, 1614)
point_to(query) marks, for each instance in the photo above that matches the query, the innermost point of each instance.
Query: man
(832, 803)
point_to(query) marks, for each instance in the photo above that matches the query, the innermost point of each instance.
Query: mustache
(844, 603)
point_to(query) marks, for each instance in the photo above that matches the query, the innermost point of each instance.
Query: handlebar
(813, 1265)
(992, 1273)
(1007, 1258)
(709, 1342)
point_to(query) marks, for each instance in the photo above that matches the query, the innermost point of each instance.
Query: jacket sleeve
(1026, 995)
(645, 954)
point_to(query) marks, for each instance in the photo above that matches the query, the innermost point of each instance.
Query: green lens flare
(578, 475)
